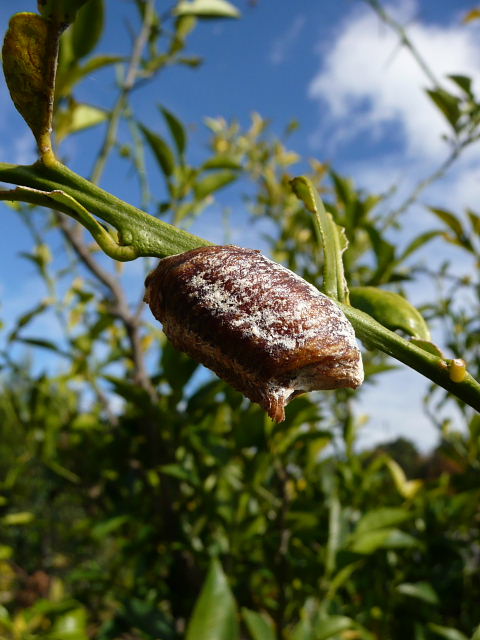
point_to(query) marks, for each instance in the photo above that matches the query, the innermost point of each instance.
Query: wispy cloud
(283, 45)
(367, 82)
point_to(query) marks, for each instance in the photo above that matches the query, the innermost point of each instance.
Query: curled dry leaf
(257, 325)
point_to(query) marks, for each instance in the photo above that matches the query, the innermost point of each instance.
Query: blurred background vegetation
(143, 499)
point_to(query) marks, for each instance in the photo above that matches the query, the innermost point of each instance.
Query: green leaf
(19, 518)
(448, 104)
(61, 11)
(476, 635)
(428, 346)
(330, 236)
(447, 632)
(107, 527)
(332, 626)
(77, 117)
(213, 182)
(381, 518)
(177, 130)
(70, 626)
(26, 318)
(26, 73)
(214, 616)
(372, 541)
(68, 76)
(406, 488)
(207, 9)
(390, 309)
(161, 150)
(419, 590)
(259, 625)
(221, 161)
(87, 28)
(464, 82)
(418, 242)
(450, 220)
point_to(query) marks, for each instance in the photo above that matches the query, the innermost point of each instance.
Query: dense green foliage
(115, 515)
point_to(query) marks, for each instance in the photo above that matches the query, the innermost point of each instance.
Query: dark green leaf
(162, 151)
(448, 104)
(214, 616)
(464, 82)
(177, 130)
(87, 28)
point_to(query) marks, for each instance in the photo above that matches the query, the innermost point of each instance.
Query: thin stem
(119, 304)
(432, 367)
(148, 235)
(404, 39)
(127, 86)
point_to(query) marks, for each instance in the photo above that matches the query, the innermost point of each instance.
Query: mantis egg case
(257, 325)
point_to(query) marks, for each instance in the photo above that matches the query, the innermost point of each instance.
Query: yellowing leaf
(473, 14)
(406, 488)
(26, 69)
(78, 117)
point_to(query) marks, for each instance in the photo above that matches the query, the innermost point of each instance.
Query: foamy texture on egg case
(258, 325)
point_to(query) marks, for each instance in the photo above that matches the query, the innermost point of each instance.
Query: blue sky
(337, 70)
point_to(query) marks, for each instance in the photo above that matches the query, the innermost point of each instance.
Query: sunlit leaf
(16, 519)
(77, 117)
(207, 9)
(407, 488)
(213, 182)
(448, 633)
(390, 309)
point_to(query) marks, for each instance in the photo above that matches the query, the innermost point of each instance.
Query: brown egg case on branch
(257, 325)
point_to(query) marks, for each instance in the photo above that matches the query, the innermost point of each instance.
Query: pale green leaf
(207, 9)
(419, 590)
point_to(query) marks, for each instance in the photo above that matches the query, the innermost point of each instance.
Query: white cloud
(368, 82)
(283, 44)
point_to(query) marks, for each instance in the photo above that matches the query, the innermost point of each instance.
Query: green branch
(436, 369)
(147, 235)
